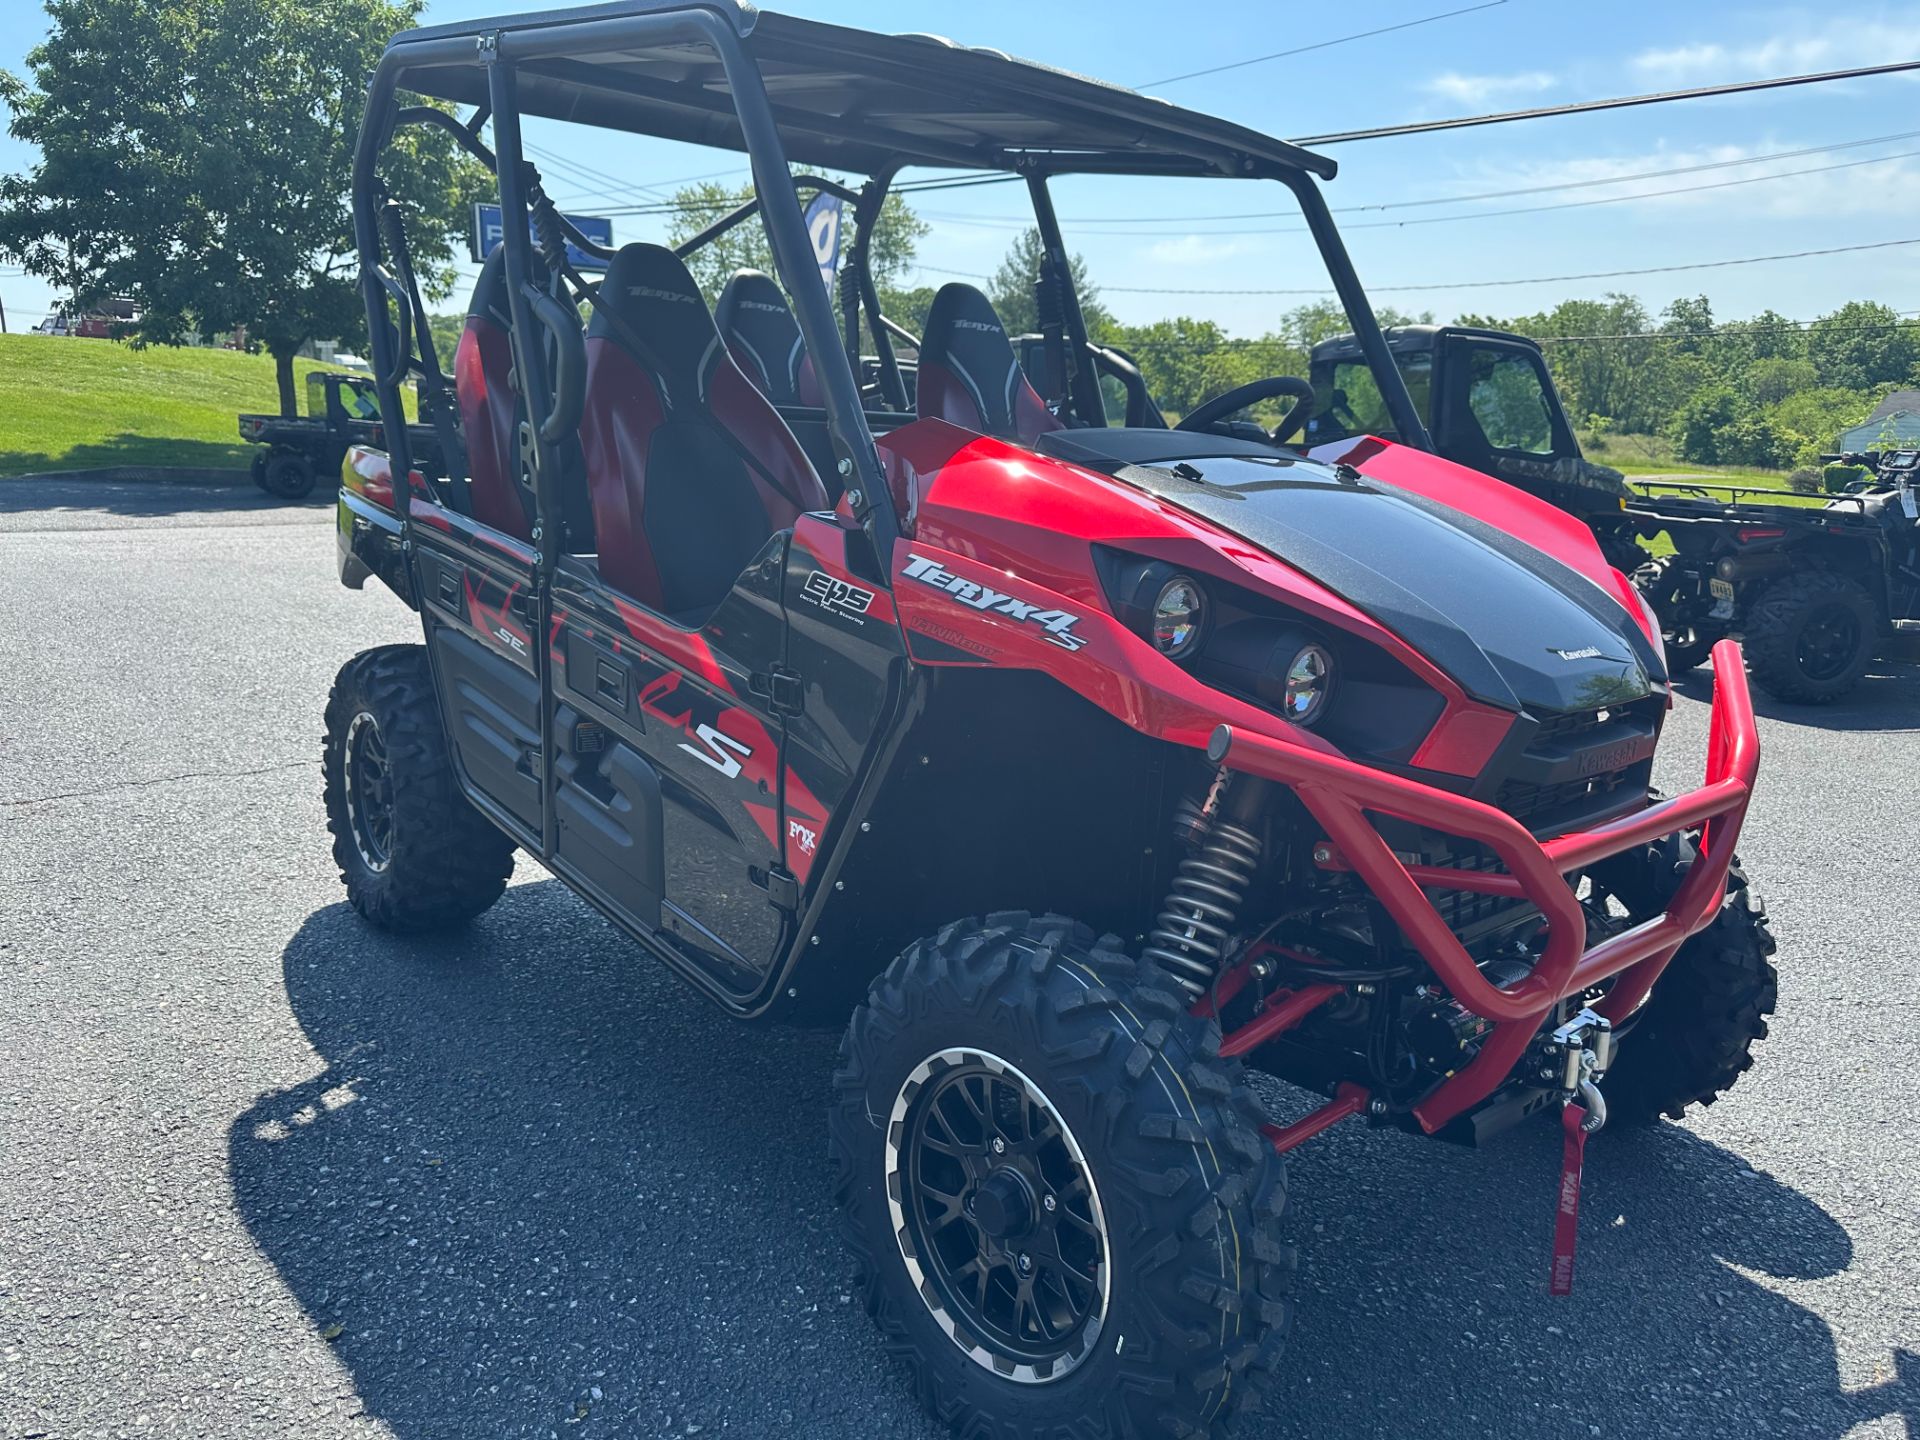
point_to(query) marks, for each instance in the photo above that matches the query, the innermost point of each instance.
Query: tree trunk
(283, 373)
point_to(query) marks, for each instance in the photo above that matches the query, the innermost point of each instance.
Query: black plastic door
(476, 589)
(667, 745)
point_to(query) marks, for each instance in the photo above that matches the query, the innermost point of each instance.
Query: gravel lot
(266, 1173)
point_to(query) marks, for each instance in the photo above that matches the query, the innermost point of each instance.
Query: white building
(1894, 424)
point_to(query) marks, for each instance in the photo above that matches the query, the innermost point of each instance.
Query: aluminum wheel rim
(1059, 1305)
(368, 783)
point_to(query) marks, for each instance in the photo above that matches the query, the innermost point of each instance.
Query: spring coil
(1190, 935)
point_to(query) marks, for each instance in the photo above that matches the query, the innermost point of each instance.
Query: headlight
(1179, 617)
(1309, 681)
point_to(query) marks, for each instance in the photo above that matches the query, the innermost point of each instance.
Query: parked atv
(295, 451)
(1086, 766)
(1490, 403)
(1815, 594)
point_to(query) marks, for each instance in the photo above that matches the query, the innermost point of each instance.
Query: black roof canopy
(843, 98)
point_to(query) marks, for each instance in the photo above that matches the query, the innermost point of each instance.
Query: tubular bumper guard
(1339, 793)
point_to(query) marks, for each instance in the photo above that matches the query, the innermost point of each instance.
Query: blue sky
(1502, 56)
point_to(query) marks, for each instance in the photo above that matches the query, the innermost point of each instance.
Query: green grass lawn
(70, 404)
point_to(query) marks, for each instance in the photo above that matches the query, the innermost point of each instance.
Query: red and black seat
(482, 375)
(689, 467)
(968, 373)
(759, 328)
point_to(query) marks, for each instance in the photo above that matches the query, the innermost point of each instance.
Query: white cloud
(1196, 250)
(1830, 43)
(1478, 89)
(1859, 189)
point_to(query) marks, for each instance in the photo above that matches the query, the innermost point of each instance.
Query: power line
(1529, 209)
(1020, 222)
(1528, 280)
(1321, 45)
(721, 206)
(1582, 107)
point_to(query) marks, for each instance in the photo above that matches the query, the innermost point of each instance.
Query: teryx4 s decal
(718, 749)
(1057, 623)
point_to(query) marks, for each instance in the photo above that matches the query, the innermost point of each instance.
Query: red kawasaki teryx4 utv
(1085, 764)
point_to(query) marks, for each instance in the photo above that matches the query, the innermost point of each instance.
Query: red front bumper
(1339, 793)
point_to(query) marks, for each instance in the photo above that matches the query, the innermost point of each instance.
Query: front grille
(1582, 767)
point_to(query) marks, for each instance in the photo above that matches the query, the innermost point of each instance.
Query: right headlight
(1308, 683)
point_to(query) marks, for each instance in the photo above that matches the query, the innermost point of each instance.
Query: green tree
(1770, 381)
(1185, 361)
(195, 156)
(744, 247)
(1861, 345)
(1012, 289)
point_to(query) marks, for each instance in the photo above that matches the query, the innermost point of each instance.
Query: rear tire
(1809, 636)
(1686, 645)
(1189, 1197)
(414, 854)
(290, 477)
(1694, 1038)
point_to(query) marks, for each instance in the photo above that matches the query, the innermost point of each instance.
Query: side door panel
(679, 707)
(476, 588)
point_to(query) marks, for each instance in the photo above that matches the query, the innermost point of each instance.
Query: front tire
(1694, 1037)
(1154, 1303)
(414, 854)
(290, 477)
(1810, 636)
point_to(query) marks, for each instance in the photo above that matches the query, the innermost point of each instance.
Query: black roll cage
(544, 46)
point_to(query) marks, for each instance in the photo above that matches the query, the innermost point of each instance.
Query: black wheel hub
(997, 1216)
(369, 790)
(1003, 1205)
(1828, 642)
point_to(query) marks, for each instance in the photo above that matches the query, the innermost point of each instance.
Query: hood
(1512, 626)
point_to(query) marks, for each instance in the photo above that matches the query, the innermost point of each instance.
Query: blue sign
(823, 229)
(489, 230)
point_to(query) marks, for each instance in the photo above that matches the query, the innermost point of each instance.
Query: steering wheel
(1241, 396)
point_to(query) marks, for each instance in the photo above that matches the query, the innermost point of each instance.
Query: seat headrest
(964, 340)
(964, 334)
(663, 318)
(754, 316)
(490, 290)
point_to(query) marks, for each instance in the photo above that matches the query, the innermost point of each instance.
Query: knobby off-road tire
(1694, 1038)
(290, 477)
(414, 854)
(1685, 648)
(1191, 1197)
(1810, 636)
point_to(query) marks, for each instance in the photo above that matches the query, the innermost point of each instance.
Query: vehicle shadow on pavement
(1886, 700)
(541, 1188)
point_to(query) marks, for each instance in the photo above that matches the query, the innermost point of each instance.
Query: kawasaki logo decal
(1057, 623)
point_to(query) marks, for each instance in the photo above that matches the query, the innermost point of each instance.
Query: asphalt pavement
(264, 1172)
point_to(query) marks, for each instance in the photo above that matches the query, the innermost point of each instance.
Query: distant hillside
(68, 404)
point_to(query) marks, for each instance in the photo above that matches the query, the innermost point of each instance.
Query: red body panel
(987, 509)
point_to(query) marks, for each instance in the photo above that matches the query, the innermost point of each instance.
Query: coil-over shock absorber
(1190, 936)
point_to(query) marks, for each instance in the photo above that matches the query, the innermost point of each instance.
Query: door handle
(610, 682)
